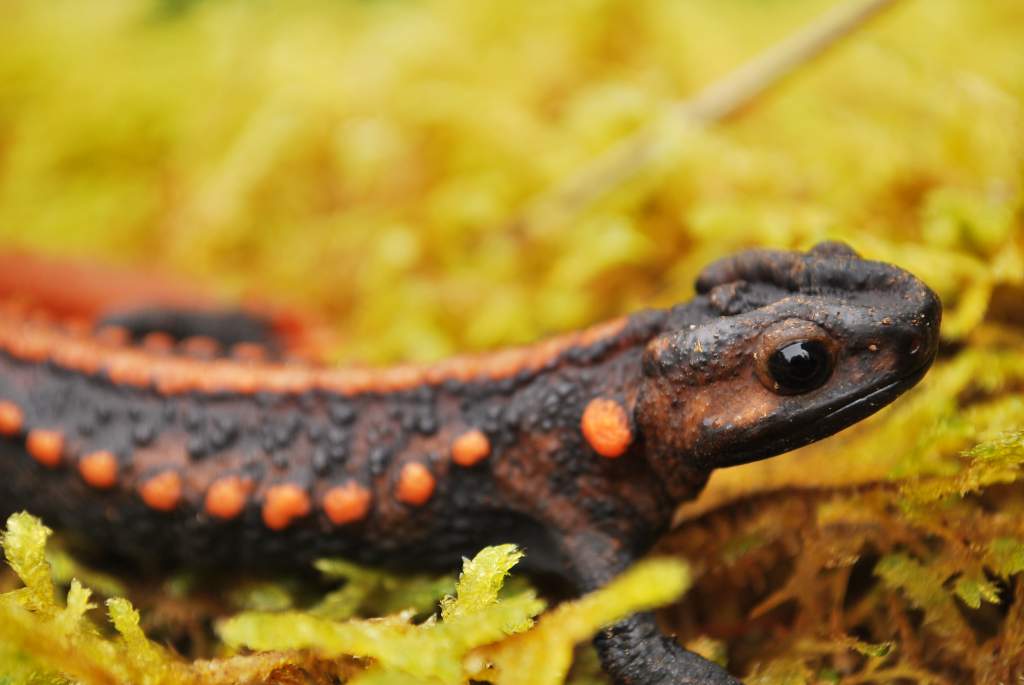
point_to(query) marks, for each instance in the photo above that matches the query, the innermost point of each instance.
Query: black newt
(192, 437)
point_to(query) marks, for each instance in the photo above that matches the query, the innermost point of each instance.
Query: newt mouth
(857, 409)
(830, 419)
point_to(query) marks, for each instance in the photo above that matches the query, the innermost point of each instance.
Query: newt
(195, 437)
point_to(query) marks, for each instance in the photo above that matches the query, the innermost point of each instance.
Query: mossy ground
(380, 162)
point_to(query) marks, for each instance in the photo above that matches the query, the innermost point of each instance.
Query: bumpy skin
(584, 488)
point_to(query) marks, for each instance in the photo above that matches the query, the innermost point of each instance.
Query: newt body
(214, 450)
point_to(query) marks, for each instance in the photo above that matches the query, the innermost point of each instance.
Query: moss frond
(542, 656)
(481, 580)
(372, 592)
(60, 639)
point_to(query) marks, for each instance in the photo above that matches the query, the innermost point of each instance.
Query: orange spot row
(46, 446)
(286, 502)
(606, 428)
(151, 365)
(342, 504)
(227, 496)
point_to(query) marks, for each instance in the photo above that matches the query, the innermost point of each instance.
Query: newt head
(793, 348)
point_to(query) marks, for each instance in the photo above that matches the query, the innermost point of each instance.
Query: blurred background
(380, 161)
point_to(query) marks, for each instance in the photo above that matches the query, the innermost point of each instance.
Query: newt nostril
(914, 346)
(918, 348)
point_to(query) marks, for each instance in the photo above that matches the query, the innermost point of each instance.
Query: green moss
(543, 655)
(59, 639)
(481, 580)
(374, 592)
(24, 543)
(470, 637)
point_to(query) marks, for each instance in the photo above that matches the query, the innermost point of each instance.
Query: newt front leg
(634, 651)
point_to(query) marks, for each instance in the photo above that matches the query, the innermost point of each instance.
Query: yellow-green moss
(472, 637)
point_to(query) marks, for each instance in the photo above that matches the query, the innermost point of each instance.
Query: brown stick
(713, 104)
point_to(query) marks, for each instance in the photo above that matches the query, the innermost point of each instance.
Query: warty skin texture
(216, 476)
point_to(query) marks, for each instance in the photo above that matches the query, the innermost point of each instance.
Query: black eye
(800, 366)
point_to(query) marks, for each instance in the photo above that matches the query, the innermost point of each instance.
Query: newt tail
(194, 436)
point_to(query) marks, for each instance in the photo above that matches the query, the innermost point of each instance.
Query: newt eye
(800, 366)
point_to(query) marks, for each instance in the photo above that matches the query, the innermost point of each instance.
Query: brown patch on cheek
(704, 420)
(725, 409)
(750, 406)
